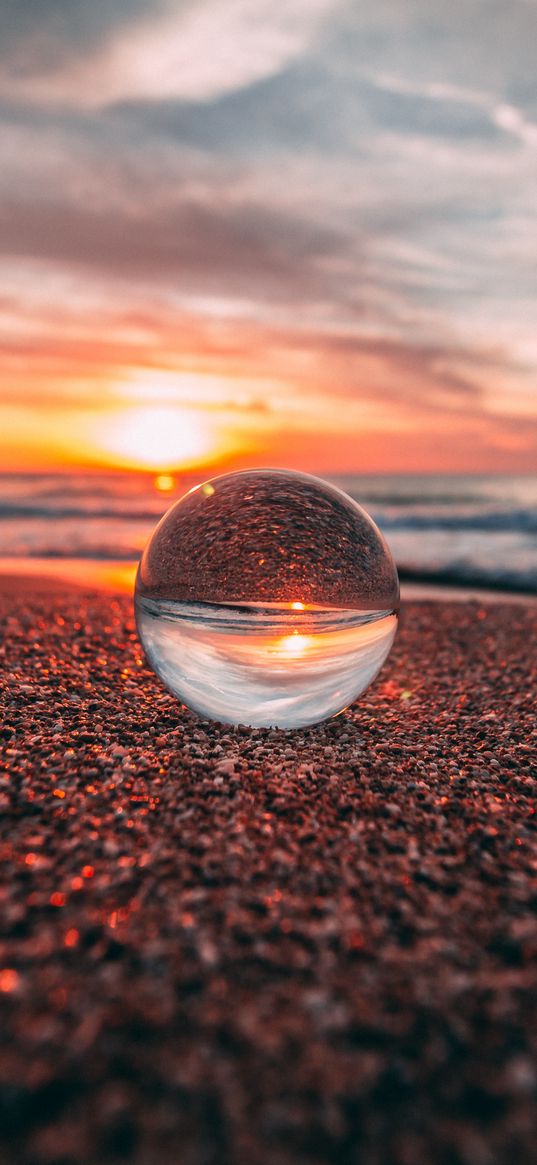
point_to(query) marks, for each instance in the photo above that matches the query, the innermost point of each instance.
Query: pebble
(221, 945)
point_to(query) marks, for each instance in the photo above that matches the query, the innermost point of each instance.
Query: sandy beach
(224, 946)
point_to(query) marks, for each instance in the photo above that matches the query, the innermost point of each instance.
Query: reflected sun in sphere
(292, 645)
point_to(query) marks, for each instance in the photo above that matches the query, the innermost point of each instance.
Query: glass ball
(266, 597)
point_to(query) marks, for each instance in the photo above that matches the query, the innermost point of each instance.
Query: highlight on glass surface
(266, 597)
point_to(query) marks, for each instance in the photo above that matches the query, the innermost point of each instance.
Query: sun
(156, 438)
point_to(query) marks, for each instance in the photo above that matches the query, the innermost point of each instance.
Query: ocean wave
(522, 580)
(83, 554)
(53, 513)
(472, 577)
(397, 499)
(467, 532)
(523, 520)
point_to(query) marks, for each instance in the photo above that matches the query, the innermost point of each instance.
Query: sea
(459, 531)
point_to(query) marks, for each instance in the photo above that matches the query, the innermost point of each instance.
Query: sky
(234, 232)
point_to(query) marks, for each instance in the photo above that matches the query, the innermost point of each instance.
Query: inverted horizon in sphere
(228, 664)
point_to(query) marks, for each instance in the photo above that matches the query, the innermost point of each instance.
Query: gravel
(223, 946)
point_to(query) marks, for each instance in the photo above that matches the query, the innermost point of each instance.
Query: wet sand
(224, 946)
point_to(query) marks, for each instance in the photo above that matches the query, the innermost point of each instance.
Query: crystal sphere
(266, 597)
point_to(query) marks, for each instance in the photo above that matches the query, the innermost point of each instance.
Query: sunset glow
(169, 302)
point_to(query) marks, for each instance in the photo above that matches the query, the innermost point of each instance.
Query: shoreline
(117, 577)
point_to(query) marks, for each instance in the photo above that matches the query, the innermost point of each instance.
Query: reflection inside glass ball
(266, 597)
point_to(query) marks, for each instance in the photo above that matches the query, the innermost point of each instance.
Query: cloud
(192, 51)
(465, 111)
(334, 198)
(159, 352)
(40, 36)
(470, 44)
(238, 249)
